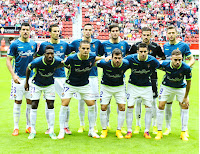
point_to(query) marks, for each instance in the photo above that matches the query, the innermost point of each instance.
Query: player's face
(117, 60)
(146, 36)
(84, 50)
(142, 52)
(114, 33)
(55, 32)
(176, 60)
(171, 34)
(87, 31)
(49, 55)
(25, 32)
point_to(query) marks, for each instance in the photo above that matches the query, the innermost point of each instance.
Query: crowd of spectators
(132, 15)
(39, 13)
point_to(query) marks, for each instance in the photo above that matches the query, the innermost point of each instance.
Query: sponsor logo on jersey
(27, 53)
(58, 53)
(108, 48)
(20, 47)
(143, 71)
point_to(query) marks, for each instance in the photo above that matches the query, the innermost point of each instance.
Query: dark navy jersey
(154, 50)
(141, 70)
(79, 70)
(22, 53)
(61, 49)
(174, 77)
(95, 47)
(183, 47)
(108, 47)
(44, 72)
(113, 76)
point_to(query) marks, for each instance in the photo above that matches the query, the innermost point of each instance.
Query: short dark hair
(48, 47)
(88, 24)
(142, 45)
(117, 52)
(25, 24)
(146, 29)
(84, 42)
(176, 52)
(171, 27)
(113, 26)
(51, 26)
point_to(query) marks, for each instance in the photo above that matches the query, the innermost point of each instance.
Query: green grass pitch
(81, 143)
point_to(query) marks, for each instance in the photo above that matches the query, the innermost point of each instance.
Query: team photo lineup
(70, 70)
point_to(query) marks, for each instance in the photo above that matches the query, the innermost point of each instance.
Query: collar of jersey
(45, 63)
(117, 41)
(55, 43)
(80, 57)
(90, 41)
(175, 43)
(139, 58)
(23, 41)
(114, 66)
(174, 68)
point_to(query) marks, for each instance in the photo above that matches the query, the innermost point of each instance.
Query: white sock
(81, 111)
(103, 119)
(148, 117)
(51, 119)
(28, 111)
(184, 119)
(67, 118)
(91, 117)
(96, 111)
(168, 115)
(154, 112)
(121, 118)
(129, 119)
(160, 117)
(47, 114)
(108, 114)
(33, 117)
(62, 116)
(16, 115)
(138, 111)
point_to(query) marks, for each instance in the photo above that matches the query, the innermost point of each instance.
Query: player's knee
(131, 106)
(28, 101)
(34, 104)
(121, 107)
(103, 107)
(18, 102)
(50, 104)
(161, 106)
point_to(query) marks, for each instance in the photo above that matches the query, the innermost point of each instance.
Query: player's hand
(26, 87)
(185, 102)
(108, 58)
(16, 79)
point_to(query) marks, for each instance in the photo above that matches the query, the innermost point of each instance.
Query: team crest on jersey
(148, 65)
(181, 74)
(32, 47)
(150, 51)
(90, 63)
(122, 47)
(61, 48)
(93, 45)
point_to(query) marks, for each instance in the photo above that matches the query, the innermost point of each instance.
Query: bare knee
(104, 107)
(28, 101)
(18, 102)
(121, 107)
(161, 105)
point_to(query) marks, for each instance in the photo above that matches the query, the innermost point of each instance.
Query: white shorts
(94, 84)
(36, 91)
(59, 85)
(18, 90)
(107, 92)
(168, 93)
(84, 91)
(134, 92)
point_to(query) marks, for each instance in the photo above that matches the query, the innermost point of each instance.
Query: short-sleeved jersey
(174, 77)
(141, 70)
(108, 47)
(22, 52)
(183, 47)
(79, 70)
(95, 47)
(61, 49)
(44, 72)
(154, 50)
(113, 76)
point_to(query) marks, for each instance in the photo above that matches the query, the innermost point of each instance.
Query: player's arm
(160, 53)
(185, 99)
(191, 60)
(10, 68)
(106, 58)
(28, 72)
